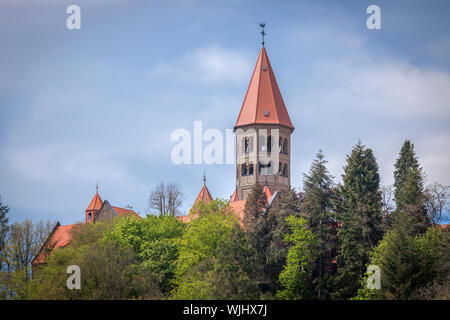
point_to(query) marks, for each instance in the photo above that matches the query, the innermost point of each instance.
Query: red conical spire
(263, 103)
(94, 206)
(96, 202)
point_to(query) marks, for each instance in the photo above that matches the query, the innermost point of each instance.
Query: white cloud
(212, 64)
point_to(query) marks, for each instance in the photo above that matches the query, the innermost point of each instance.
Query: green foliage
(408, 264)
(317, 208)
(409, 192)
(153, 240)
(4, 209)
(215, 260)
(295, 276)
(254, 206)
(108, 270)
(276, 250)
(358, 208)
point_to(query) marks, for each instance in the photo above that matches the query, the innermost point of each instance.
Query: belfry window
(262, 143)
(280, 169)
(246, 144)
(285, 170)
(265, 168)
(269, 144)
(247, 169)
(280, 145)
(285, 146)
(243, 170)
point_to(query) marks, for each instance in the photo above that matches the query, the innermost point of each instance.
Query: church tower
(94, 207)
(263, 134)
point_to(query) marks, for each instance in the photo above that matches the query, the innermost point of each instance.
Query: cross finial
(262, 25)
(96, 187)
(204, 178)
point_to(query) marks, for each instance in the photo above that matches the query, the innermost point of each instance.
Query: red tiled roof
(121, 212)
(59, 239)
(263, 102)
(96, 203)
(203, 196)
(268, 193)
(234, 196)
(184, 219)
(237, 207)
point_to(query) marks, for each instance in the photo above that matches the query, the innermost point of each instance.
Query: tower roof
(263, 103)
(203, 196)
(96, 202)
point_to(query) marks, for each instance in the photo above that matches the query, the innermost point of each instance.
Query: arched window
(280, 145)
(280, 169)
(285, 170)
(265, 168)
(246, 145)
(269, 144)
(243, 169)
(285, 146)
(89, 216)
(262, 143)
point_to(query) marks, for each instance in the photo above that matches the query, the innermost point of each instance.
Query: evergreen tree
(411, 266)
(3, 229)
(257, 230)
(358, 208)
(317, 208)
(276, 251)
(409, 192)
(254, 206)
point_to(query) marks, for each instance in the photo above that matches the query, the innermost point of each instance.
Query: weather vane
(262, 25)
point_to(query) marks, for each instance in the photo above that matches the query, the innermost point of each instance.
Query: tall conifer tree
(358, 208)
(317, 206)
(409, 192)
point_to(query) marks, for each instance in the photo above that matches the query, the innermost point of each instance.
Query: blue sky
(102, 102)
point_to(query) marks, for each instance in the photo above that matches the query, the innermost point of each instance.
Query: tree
(4, 209)
(276, 250)
(166, 199)
(109, 270)
(411, 266)
(153, 241)
(257, 229)
(295, 276)
(436, 201)
(254, 206)
(359, 209)
(317, 207)
(409, 193)
(214, 257)
(23, 242)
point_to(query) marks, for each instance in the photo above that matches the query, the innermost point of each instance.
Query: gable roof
(122, 212)
(58, 238)
(263, 102)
